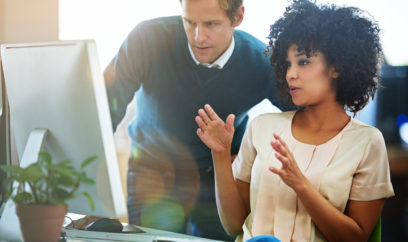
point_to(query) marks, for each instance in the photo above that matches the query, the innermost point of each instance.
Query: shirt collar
(221, 61)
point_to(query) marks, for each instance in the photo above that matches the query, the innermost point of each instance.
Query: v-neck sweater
(155, 65)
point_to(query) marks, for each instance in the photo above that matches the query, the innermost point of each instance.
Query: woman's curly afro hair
(348, 40)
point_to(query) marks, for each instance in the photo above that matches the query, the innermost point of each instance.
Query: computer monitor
(59, 87)
(5, 154)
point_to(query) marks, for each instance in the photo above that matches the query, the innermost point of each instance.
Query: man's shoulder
(251, 47)
(248, 40)
(162, 21)
(158, 29)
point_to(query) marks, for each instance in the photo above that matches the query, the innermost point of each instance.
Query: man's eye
(210, 24)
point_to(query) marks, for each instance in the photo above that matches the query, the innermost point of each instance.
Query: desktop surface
(148, 235)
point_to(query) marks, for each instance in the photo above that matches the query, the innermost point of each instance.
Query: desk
(150, 235)
(13, 233)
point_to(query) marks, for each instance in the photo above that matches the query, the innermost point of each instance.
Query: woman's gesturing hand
(289, 172)
(213, 132)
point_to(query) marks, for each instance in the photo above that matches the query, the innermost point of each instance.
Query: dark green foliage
(45, 182)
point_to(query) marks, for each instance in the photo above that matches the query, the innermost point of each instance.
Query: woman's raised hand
(213, 132)
(289, 172)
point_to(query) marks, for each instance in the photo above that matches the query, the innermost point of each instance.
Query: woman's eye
(303, 62)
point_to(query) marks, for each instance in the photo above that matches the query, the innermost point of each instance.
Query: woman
(313, 174)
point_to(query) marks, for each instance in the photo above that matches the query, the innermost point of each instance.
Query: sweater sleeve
(128, 71)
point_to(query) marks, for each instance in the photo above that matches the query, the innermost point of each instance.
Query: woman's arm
(232, 196)
(356, 225)
(360, 218)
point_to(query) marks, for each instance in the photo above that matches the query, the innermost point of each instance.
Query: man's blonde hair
(230, 7)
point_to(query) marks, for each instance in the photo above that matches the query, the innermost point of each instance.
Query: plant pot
(41, 222)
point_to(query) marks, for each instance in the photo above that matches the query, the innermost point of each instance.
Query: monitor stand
(33, 147)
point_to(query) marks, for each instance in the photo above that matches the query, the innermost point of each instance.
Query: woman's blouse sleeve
(242, 165)
(372, 178)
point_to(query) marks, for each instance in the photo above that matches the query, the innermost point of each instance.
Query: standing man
(173, 66)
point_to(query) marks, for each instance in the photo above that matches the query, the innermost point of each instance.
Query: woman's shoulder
(272, 119)
(282, 116)
(363, 128)
(358, 130)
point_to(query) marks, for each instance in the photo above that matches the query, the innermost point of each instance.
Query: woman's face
(309, 79)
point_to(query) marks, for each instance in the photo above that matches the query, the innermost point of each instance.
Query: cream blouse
(353, 165)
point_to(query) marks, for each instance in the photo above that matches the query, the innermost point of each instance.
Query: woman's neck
(322, 117)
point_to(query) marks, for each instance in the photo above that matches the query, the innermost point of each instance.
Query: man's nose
(200, 34)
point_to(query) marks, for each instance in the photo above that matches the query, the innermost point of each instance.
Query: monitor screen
(59, 87)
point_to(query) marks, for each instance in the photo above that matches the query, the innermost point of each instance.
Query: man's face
(208, 28)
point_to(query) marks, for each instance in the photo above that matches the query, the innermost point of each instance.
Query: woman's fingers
(211, 113)
(278, 147)
(284, 160)
(200, 134)
(200, 123)
(204, 116)
(229, 123)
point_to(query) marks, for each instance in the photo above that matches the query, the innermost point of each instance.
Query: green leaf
(87, 180)
(88, 161)
(32, 173)
(80, 175)
(64, 163)
(11, 170)
(23, 197)
(66, 181)
(90, 200)
(41, 198)
(7, 188)
(45, 182)
(45, 157)
(61, 195)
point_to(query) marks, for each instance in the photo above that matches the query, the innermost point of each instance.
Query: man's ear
(239, 16)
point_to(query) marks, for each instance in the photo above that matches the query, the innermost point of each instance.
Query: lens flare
(403, 132)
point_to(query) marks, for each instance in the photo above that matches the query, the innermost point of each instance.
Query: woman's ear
(333, 74)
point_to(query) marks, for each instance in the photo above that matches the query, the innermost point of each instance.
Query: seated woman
(313, 174)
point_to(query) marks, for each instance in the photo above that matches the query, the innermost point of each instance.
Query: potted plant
(41, 190)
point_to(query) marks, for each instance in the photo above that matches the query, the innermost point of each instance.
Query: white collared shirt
(221, 61)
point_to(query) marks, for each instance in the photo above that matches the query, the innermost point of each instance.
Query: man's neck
(220, 61)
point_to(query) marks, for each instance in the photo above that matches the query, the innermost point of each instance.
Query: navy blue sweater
(154, 64)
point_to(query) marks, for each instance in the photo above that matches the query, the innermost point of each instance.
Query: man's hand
(213, 132)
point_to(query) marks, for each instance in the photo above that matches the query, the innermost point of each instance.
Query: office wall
(28, 20)
(1, 20)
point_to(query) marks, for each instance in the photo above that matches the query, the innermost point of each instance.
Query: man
(173, 66)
